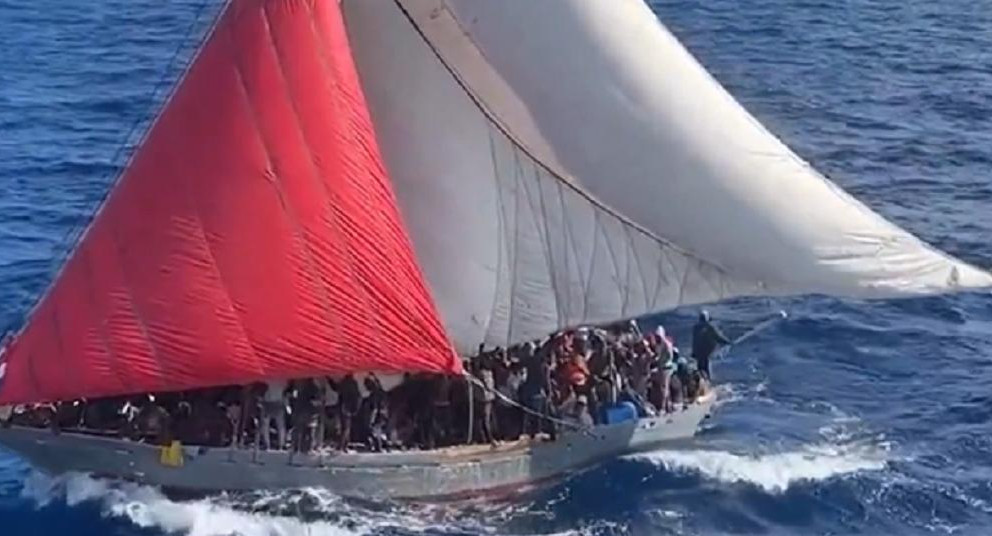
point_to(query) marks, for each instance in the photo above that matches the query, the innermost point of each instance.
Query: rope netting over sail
(253, 235)
(587, 168)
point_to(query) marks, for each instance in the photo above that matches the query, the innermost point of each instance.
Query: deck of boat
(419, 474)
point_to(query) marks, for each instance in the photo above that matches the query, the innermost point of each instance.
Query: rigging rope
(144, 124)
(475, 381)
(758, 328)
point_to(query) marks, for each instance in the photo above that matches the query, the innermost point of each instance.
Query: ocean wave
(774, 472)
(147, 507)
(300, 512)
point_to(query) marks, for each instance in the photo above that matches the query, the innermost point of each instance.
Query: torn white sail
(568, 161)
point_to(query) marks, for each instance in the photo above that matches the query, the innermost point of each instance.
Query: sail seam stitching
(102, 327)
(139, 316)
(491, 116)
(666, 257)
(616, 268)
(627, 277)
(212, 261)
(319, 281)
(538, 220)
(57, 329)
(371, 316)
(570, 240)
(685, 279)
(587, 284)
(500, 238)
(547, 244)
(637, 262)
(516, 248)
(315, 175)
(33, 375)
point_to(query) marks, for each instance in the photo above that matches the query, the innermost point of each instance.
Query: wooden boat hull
(439, 474)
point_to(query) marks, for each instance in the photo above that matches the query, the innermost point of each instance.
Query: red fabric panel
(253, 235)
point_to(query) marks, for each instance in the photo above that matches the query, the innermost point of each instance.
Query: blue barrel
(624, 411)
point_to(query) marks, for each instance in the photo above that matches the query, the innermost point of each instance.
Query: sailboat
(382, 186)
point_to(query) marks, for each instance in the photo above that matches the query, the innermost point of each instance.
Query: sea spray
(772, 472)
(147, 507)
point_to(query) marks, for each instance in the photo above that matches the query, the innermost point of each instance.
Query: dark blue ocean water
(851, 418)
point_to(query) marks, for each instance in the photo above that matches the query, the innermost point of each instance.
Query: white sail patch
(512, 250)
(604, 96)
(566, 260)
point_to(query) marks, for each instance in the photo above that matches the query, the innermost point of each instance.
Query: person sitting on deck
(706, 338)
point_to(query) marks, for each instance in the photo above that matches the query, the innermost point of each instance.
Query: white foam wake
(306, 512)
(772, 472)
(147, 507)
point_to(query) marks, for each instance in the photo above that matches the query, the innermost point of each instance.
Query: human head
(580, 345)
(704, 316)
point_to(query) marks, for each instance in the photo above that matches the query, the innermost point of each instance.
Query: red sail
(253, 235)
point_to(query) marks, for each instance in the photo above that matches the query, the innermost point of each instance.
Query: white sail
(568, 161)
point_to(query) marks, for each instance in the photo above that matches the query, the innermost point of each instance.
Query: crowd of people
(573, 379)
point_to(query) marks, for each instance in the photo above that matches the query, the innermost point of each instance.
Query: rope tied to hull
(567, 424)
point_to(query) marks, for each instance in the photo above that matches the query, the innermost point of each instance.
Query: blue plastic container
(622, 412)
